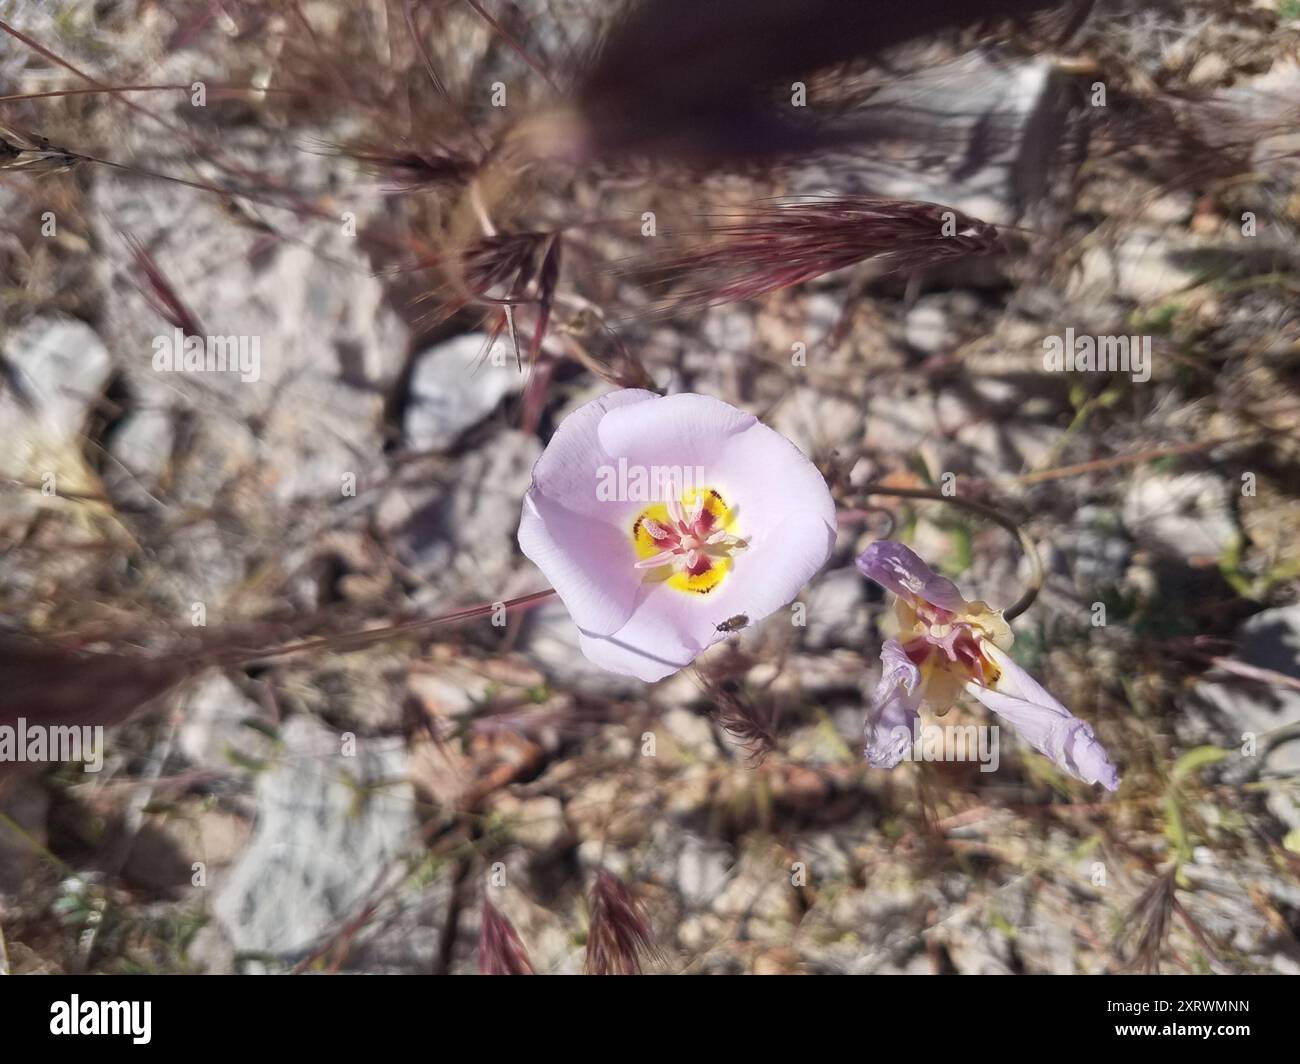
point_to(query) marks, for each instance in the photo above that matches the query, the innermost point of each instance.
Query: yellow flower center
(688, 540)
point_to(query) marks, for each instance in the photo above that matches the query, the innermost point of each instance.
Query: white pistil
(674, 503)
(695, 508)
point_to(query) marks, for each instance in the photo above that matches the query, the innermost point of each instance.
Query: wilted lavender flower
(946, 644)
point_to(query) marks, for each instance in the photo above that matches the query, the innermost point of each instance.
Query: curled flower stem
(1026, 544)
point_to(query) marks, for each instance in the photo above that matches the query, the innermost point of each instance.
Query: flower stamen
(689, 537)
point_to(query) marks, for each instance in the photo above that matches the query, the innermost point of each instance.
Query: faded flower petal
(898, 569)
(894, 707)
(947, 643)
(1044, 723)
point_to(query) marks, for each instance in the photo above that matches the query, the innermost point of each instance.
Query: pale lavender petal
(674, 430)
(783, 511)
(772, 570)
(893, 713)
(1051, 729)
(569, 470)
(580, 543)
(782, 508)
(662, 636)
(590, 564)
(898, 569)
(767, 478)
(668, 628)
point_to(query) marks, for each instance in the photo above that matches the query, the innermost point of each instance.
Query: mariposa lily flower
(946, 644)
(666, 523)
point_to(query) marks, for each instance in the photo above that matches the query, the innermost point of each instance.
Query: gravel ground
(355, 808)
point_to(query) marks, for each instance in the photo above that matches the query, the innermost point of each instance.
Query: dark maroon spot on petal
(918, 650)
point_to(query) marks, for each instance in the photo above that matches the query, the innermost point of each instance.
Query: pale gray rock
(462, 535)
(456, 385)
(691, 732)
(952, 434)
(58, 368)
(729, 328)
(213, 732)
(715, 360)
(328, 344)
(405, 934)
(760, 894)
(989, 441)
(926, 326)
(974, 133)
(140, 449)
(1186, 514)
(934, 322)
(1268, 102)
(837, 610)
(1268, 640)
(546, 931)
(818, 423)
(1142, 263)
(703, 869)
(328, 826)
(537, 824)
(904, 424)
(977, 951)
(1101, 549)
(863, 931)
(826, 860)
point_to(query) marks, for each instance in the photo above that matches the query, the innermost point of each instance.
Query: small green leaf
(1197, 759)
